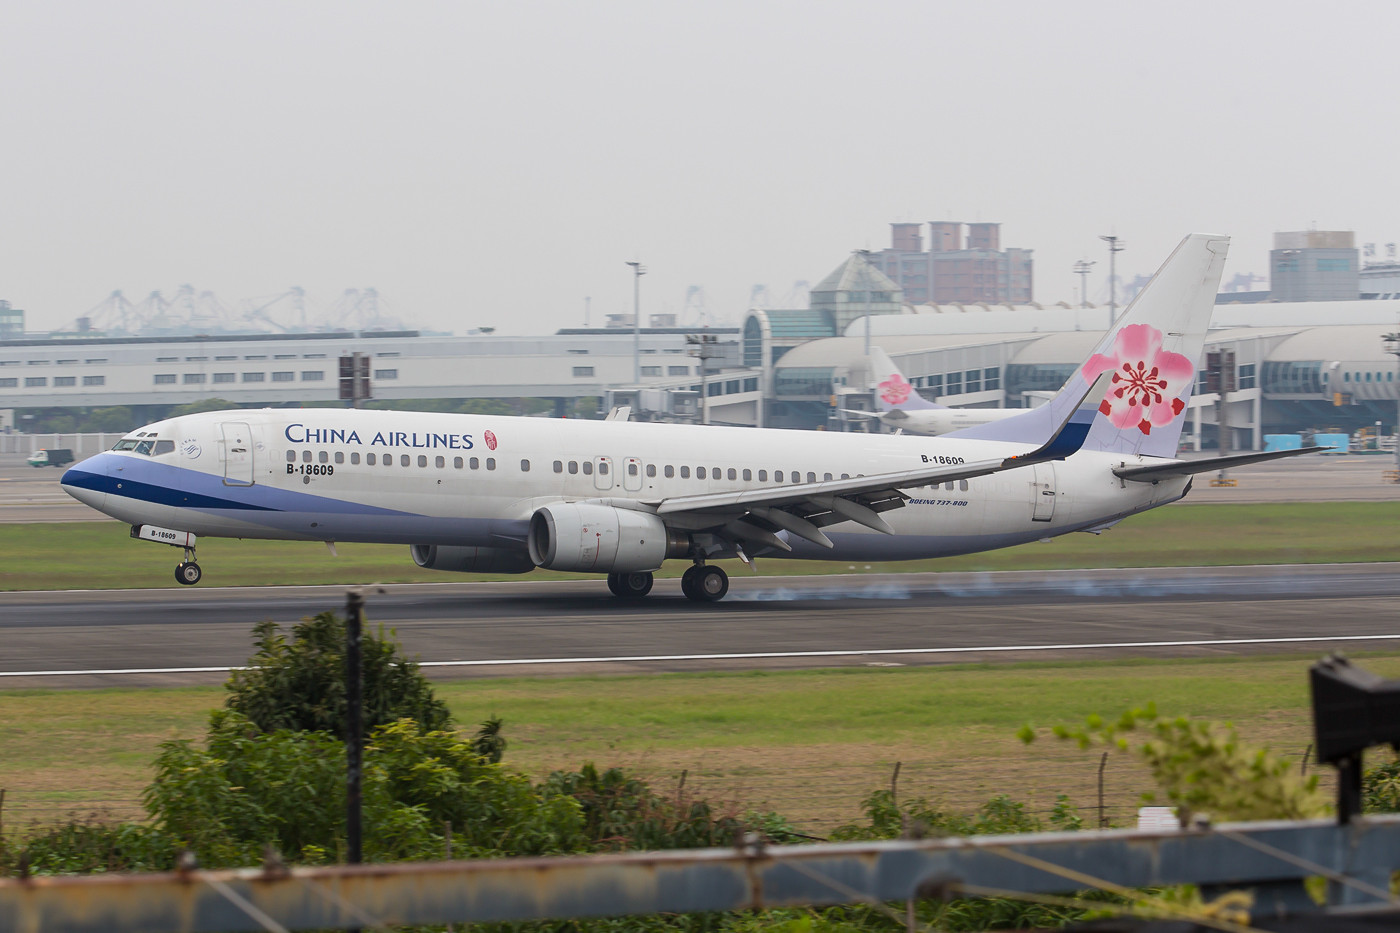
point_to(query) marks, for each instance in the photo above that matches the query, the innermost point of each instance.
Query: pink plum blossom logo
(896, 389)
(1147, 380)
(490, 441)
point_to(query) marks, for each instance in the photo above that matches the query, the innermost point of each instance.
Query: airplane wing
(1154, 472)
(803, 508)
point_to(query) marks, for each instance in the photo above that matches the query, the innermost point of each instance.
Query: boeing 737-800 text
(492, 494)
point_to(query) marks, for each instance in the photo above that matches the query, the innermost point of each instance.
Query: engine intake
(601, 539)
(470, 559)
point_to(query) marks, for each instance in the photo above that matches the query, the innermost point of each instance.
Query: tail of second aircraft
(1152, 352)
(892, 391)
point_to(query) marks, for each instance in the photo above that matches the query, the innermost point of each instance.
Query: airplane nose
(86, 481)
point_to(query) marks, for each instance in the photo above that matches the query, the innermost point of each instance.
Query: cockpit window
(144, 447)
(125, 444)
(163, 447)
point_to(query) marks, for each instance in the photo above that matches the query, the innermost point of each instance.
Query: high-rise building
(1314, 265)
(949, 272)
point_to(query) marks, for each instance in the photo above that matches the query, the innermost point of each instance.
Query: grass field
(100, 555)
(807, 744)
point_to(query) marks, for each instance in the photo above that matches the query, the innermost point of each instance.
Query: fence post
(1103, 762)
(354, 725)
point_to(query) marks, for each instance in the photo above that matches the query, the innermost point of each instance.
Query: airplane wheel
(632, 585)
(711, 583)
(613, 585)
(688, 581)
(188, 574)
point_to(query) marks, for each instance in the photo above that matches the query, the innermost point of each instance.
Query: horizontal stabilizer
(1150, 474)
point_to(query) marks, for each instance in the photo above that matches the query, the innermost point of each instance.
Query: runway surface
(148, 637)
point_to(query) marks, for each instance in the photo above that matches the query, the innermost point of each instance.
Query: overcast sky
(496, 163)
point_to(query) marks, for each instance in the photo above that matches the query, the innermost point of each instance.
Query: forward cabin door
(1043, 492)
(236, 451)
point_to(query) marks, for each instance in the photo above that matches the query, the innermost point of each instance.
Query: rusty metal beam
(1239, 856)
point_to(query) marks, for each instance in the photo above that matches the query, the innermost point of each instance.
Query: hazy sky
(495, 163)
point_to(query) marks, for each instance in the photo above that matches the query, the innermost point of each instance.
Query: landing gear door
(236, 450)
(1043, 492)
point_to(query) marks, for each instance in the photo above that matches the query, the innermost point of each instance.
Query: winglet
(1073, 429)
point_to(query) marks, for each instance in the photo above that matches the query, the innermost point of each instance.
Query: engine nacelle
(601, 539)
(470, 559)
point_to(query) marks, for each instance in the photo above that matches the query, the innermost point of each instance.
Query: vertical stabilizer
(1152, 353)
(892, 391)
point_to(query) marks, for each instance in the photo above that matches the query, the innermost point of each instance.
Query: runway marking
(766, 655)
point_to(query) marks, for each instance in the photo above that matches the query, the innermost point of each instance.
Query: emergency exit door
(1043, 492)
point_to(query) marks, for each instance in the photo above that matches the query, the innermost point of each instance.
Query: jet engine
(470, 559)
(601, 539)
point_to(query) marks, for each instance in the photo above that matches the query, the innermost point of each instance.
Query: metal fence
(1269, 860)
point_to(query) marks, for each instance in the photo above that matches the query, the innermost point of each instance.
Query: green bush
(249, 789)
(299, 684)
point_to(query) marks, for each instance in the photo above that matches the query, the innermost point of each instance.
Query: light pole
(638, 270)
(865, 273)
(1392, 346)
(1081, 269)
(1114, 246)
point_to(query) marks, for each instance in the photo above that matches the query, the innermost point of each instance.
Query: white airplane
(496, 494)
(902, 407)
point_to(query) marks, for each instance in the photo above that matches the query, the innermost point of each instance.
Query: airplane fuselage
(470, 480)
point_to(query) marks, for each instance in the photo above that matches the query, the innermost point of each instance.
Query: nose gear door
(236, 451)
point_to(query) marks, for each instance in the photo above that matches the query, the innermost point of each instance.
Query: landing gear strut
(188, 572)
(705, 583)
(630, 585)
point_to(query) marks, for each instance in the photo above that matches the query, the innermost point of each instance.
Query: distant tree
(299, 683)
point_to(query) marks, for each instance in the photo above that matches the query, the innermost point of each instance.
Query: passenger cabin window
(355, 458)
(603, 468)
(558, 466)
(370, 459)
(670, 471)
(651, 470)
(748, 474)
(685, 472)
(439, 462)
(405, 460)
(733, 474)
(456, 463)
(306, 456)
(323, 457)
(588, 468)
(291, 456)
(490, 463)
(474, 463)
(777, 476)
(631, 469)
(524, 466)
(700, 473)
(763, 476)
(573, 467)
(422, 460)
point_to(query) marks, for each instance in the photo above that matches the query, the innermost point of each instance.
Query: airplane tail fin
(892, 391)
(1152, 353)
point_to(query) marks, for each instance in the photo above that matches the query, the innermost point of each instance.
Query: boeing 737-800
(493, 494)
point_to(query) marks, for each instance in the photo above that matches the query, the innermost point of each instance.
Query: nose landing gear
(705, 583)
(187, 572)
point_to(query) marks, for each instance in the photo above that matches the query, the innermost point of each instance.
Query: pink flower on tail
(1147, 380)
(895, 389)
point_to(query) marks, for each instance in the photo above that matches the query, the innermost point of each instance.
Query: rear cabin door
(237, 449)
(1043, 492)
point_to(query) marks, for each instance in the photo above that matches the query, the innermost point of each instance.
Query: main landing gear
(630, 585)
(704, 583)
(188, 572)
